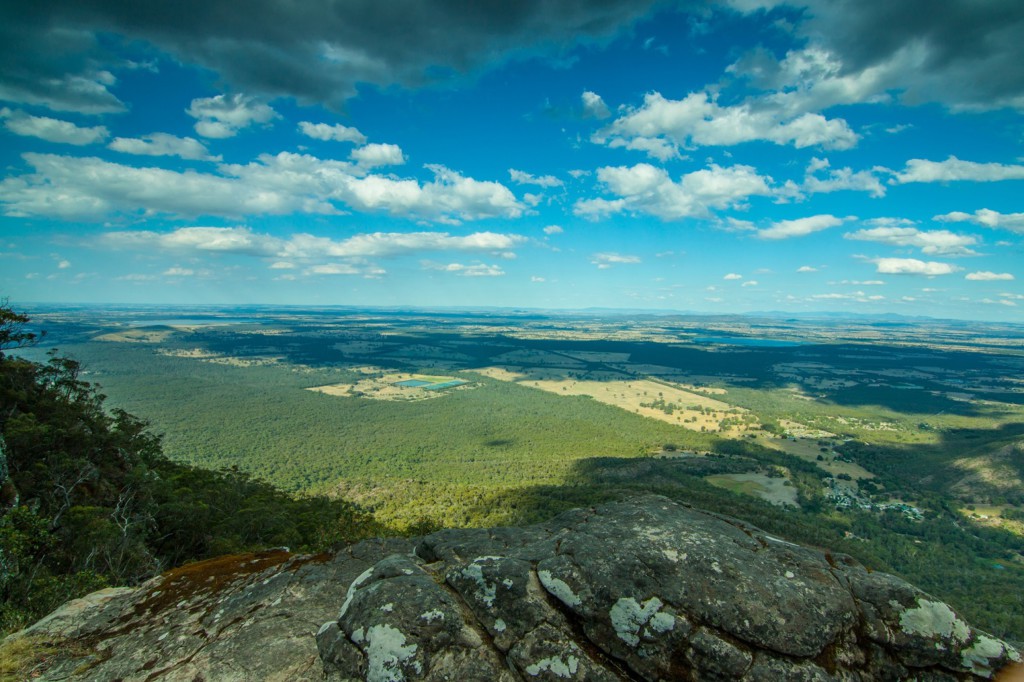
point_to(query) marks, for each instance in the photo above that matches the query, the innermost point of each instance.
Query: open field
(395, 386)
(778, 490)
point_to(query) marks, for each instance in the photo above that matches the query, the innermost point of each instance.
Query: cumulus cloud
(603, 261)
(179, 272)
(952, 169)
(1014, 222)
(325, 131)
(51, 129)
(932, 243)
(966, 56)
(223, 116)
(800, 227)
(316, 255)
(839, 179)
(643, 188)
(699, 120)
(522, 178)
(84, 188)
(733, 275)
(987, 276)
(474, 270)
(750, 283)
(163, 144)
(807, 268)
(912, 266)
(317, 54)
(553, 229)
(374, 155)
(594, 106)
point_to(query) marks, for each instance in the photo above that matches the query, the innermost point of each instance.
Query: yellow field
(631, 395)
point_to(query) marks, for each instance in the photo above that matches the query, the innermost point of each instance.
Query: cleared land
(395, 386)
(769, 489)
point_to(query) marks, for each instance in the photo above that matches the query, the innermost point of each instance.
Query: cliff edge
(647, 589)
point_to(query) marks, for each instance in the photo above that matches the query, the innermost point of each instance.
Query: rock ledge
(647, 589)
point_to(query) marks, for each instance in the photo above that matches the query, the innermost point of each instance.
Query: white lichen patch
(934, 619)
(556, 666)
(499, 625)
(363, 577)
(388, 608)
(558, 588)
(485, 591)
(790, 575)
(387, 654)
(631, 619)
(977, 658)
(674, 556)
(431, 616)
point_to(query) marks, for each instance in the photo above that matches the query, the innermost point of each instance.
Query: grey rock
(646, 589)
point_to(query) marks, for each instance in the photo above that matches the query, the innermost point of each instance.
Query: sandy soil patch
(385, 387)
(136, 336)
(773, 490)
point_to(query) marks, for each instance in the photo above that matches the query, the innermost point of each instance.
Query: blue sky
(718, 157)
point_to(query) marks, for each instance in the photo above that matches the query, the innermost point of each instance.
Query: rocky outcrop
(641, 590)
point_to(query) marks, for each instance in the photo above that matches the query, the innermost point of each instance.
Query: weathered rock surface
(647, 589)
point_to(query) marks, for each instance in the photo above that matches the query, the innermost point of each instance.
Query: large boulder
(647, 589)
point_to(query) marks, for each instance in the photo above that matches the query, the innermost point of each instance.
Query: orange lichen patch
(205, 577)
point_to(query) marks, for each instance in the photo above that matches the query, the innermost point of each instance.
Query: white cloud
(63, 265)
(986, 276)
(594, 106)
(82, 188)
(807, 268)
(838, 179)
(282, 265)
(750, 283)
(223, 116)
(51, 129)
(325, 131)
(162, 144)
(553, 229)
(536, 279)
(375, 154)
(698, 120)
(179, 272)
(912, 266)
(521, 178)
(932, 243)
(644, 188)
(243, 241)
(1014, 222)
(475, 270)
(603, 261)
(784, 229)
(733, 275)
(922, 170)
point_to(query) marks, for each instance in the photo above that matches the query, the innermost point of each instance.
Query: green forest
(240, 456)
(87, 498)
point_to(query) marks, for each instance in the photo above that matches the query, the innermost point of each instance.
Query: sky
(860, 156)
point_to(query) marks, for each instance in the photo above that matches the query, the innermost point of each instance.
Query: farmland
(867, 437)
